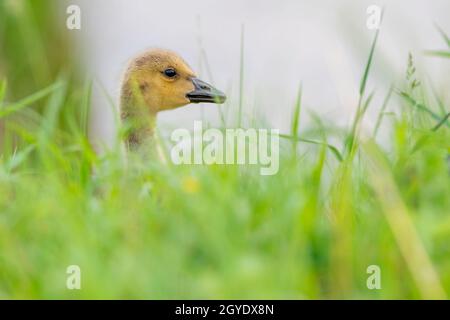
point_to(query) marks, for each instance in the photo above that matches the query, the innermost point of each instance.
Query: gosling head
(162, 80)
(155, 81)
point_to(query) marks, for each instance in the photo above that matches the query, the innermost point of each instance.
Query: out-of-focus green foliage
(152, 230)
(34, 46)
(147, 230)
(36, 50)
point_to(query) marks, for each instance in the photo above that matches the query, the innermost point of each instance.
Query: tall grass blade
(363, 83)
(18, 158)
(438, 53)
(332, 148)
(439, 101)
(86, 107)
(402, 226)
(296, 116)
(14, 107)
(349, 144)
(421, 107)
(3, 85)
(361, 110)
(382, 111)
(442, 122)
(51, 113)
(443, 35)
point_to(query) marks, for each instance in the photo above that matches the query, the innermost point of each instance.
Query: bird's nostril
(205, 88)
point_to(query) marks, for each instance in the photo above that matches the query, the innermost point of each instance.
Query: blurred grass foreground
(316, 229)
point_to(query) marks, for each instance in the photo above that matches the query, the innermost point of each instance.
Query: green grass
(149, 230)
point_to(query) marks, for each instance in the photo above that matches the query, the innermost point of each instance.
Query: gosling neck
(139, 120)
(141, 132)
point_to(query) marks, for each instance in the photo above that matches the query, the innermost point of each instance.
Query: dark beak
(205, 92)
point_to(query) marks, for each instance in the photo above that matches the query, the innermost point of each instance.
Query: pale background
(321, 44)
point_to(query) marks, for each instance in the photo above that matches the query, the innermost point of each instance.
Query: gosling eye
(170, 73)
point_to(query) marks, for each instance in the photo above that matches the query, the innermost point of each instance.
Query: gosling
(155, 81)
